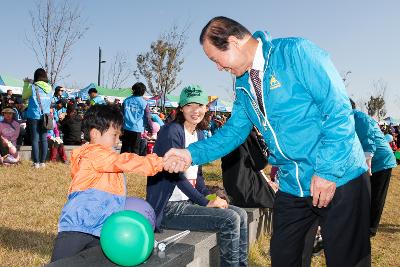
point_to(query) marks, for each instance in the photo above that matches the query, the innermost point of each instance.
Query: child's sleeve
(128, 162)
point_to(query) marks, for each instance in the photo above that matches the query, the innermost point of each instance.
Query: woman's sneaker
(36, 165)
(42, 165)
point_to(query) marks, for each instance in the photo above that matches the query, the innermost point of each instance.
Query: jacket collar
(242, 81)
(266, 45)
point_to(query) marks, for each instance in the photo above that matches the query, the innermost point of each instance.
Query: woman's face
(8, 116)
(194, 113)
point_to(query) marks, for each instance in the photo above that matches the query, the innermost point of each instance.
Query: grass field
(31, 201)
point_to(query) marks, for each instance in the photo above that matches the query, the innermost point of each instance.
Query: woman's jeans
(38, 136)
(230, 225)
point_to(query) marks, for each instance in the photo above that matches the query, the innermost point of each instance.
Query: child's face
(109, 138)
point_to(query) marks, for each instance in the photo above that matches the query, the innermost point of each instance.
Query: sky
(361, 36)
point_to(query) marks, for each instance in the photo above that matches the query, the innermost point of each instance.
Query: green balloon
(127, 238)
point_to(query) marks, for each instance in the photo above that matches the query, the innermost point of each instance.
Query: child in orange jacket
(98, 187)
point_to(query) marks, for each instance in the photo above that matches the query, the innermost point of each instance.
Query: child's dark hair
(101, 117)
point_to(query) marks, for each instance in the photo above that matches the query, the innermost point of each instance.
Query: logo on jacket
(274, 83)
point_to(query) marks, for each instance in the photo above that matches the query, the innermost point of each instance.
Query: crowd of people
(20, 116)
(320, 165)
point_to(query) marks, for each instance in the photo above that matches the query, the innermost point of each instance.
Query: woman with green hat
(181, 200)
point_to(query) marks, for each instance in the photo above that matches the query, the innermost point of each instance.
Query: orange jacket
(98, 186)
(96, 166)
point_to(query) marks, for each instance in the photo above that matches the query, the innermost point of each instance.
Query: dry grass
(31, 201)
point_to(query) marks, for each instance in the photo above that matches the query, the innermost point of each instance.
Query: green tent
(121, 92)
(8, 82)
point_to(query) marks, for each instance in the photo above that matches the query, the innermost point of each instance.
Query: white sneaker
(36, 165)
(42, 165)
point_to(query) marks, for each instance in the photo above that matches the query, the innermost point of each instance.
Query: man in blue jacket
(289, 89)
(380, 160)
(95, 99)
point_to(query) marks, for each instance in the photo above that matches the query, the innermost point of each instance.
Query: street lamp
(100, 61)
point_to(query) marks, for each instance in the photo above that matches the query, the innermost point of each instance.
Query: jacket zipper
(266, 123)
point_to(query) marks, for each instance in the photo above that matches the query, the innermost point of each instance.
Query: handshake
(177, 160)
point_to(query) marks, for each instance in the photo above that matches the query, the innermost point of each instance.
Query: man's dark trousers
(344, 224)
(130, 142)
(379, 187)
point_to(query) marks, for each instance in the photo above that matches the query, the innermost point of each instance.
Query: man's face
(232, 60)
(9, 92)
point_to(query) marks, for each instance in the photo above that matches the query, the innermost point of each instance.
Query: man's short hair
(218, 30)
(92, 90)
(62, 101)
(19, 100)
(138, 89)
(101, 117)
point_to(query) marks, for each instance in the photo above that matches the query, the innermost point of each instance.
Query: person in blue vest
(58, 95)
(289, 89)
(39, 95)
(94, 98)
(137, 117)
(380, 160)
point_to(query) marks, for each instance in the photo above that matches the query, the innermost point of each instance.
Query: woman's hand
(218, 203)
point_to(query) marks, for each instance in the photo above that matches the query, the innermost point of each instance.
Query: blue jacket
(373, 141)
(136, 114)
(308, 127)
(97, 100)
(161, 186)
(33, 110)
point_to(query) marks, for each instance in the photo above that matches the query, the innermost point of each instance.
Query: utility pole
(100, 61)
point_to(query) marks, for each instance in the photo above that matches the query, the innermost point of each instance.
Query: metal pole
(98, 77)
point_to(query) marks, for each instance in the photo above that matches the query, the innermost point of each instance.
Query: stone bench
(198, 249)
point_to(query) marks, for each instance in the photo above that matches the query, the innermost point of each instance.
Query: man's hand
(174, 164)
(218, 203)
(322, 191)
(369, 163)
(177, 160)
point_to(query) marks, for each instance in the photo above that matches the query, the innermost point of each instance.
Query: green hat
(193, 94)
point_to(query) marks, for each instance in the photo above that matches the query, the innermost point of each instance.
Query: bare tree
(376, 102)
(361, 103)
(120, 71)
(161, 65)
(56, 27)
